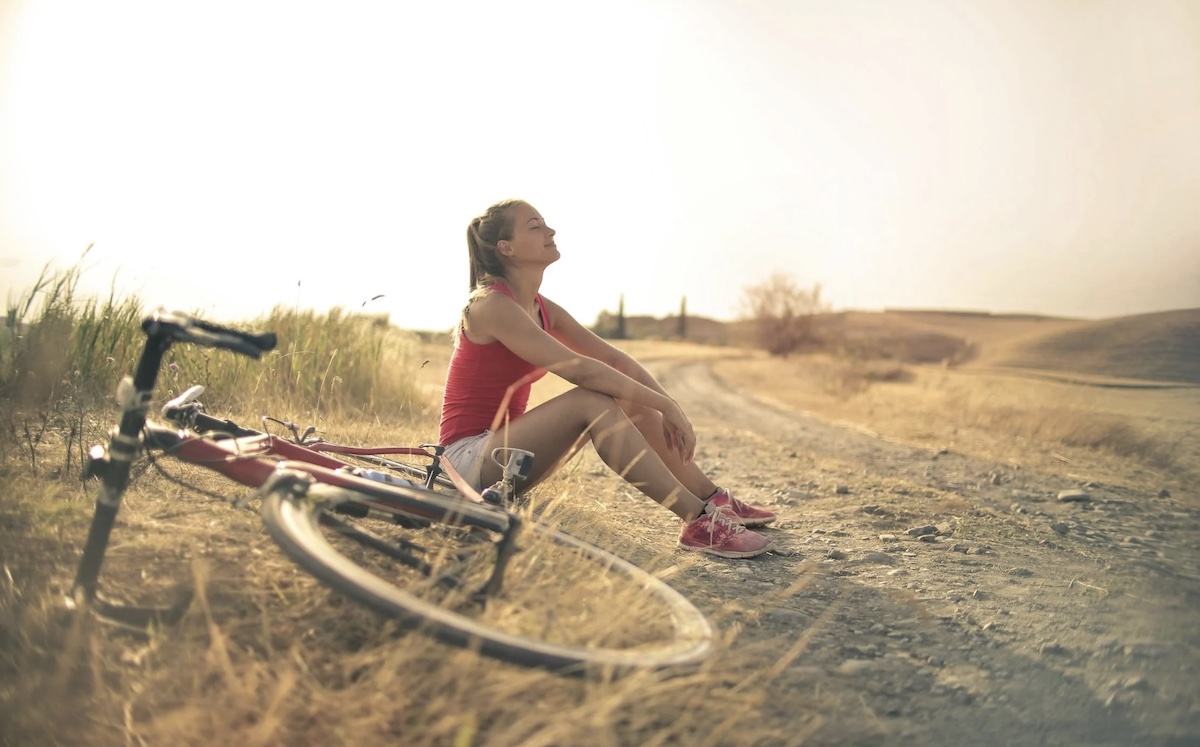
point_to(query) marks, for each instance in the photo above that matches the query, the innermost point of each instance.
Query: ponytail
(484, 233)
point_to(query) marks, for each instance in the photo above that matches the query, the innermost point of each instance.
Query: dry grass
(1015, 420)
(267, 656)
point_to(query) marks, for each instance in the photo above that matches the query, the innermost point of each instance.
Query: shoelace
(721, 516)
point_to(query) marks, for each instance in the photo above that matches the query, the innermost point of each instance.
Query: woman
(510, 335)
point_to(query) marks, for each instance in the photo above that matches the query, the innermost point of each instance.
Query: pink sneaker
(745, 514)
(717, 532)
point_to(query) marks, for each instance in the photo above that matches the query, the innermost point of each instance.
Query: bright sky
(229, 156)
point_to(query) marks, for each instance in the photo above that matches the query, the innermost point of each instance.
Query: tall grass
(62, 356)
(265, 655)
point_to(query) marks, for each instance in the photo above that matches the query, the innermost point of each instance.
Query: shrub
(782, 314)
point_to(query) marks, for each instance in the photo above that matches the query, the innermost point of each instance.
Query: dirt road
(946, 599)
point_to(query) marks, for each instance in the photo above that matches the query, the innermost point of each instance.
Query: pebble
(922, 530)
(842, 489)
(1059, 527)
(1074, 496)
(881, 558)
(1053, 649)
(888, 538)
(854, 666)
(1164, 493)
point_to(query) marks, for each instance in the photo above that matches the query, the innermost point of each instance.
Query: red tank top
(478, 378)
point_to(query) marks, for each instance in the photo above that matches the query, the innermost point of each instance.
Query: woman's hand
(677, 431)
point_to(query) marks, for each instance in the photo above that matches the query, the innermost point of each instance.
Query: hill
(1163, 346)
(1160, 347)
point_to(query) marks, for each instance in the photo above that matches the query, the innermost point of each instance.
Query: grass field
(266, 656)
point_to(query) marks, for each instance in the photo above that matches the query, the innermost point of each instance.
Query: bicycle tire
(295, 523)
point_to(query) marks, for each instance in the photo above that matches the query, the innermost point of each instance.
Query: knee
(593, 405)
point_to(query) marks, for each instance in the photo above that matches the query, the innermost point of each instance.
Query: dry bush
(783, 314)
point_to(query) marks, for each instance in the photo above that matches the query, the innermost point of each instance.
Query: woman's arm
(497, 317)
(586, 342)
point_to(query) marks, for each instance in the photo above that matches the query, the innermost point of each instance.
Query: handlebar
(179, 326)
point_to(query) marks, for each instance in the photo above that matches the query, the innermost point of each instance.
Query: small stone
(888, 538)
(1164, 493)
(1053, 649)
(960, 548)
(1059, 527)
(1074, 496)
(842, 489)
(835, 554)
(854, 666)
(995, 478)
(929, 538)
(871, 509)
(922, 530)
(879, 558)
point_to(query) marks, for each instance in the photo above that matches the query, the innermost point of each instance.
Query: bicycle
(359, 534)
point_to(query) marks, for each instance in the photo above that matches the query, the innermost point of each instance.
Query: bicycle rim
(565, 604)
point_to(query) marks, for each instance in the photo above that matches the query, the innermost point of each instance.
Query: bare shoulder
(484, 312)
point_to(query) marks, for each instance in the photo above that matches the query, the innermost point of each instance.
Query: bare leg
(556, 429)
(649, 423)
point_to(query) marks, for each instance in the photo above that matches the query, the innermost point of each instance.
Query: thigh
(553, 431)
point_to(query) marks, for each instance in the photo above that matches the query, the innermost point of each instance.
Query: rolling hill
(1158, 347)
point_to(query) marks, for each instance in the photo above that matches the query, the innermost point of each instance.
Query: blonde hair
(484, 233)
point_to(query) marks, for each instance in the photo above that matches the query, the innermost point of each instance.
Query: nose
(551, 230)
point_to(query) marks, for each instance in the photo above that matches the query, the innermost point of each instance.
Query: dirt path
(948, 600)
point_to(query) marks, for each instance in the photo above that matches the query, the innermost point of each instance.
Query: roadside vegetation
(265, 655)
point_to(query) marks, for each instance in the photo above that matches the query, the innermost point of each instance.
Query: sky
(227, 157)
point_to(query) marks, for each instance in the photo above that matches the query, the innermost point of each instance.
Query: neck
(525, 284)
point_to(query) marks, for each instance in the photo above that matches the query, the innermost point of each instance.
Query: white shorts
(467, 454)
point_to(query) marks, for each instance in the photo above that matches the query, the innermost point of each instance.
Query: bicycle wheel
(558, 602)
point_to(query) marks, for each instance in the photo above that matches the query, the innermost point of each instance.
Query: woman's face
(532, 240)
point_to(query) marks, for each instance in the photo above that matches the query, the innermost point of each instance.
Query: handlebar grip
(179, 326)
